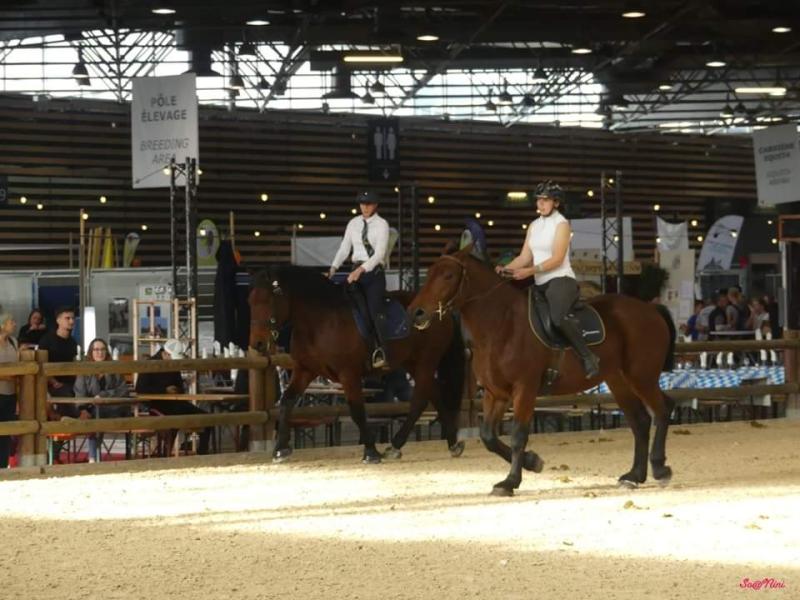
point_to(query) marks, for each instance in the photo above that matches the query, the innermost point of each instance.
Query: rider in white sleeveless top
(545, 255)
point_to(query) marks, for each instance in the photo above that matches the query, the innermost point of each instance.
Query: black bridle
(448, 306)
(272, 323)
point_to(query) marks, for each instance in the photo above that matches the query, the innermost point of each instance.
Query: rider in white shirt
(367, 237)
(545, 255)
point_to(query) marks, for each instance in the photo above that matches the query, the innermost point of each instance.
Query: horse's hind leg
(639, 421)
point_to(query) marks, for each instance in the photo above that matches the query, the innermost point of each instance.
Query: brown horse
(510, 361)
(325, 341)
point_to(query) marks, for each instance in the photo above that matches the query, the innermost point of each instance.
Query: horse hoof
(662, 475)
(628, 484)
(533, 462)
(457, 449)
(504, 492)
(281, 456)
(371, 459)
(392, 452)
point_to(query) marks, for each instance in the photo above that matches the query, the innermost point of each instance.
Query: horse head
(269, 309)
(442, 290)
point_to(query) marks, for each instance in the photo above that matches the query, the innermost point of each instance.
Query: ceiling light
(367, 98)
(774, 240)
(775, 90)
(524, 225)
(85, 216)
(693, 222)
(437, 227)
(103, 199)
(539, 76)
(477, 215)
(264, 197)
(514, 195)
(769, 222)
(23, 200)
(199, 171)
(396, 189)
(726, 112)
(490, 106)
(299, 225)
(656, 207)
(373, 58)
(247, 49)
(160, 9)
(257, 22)
(165, 170)
(716, 64)
(431, 199)
(633, 10)
(144, 227)
(734, 234)
(428, 37)
(581, 50)
(236, 82)
(665, 87)
(323, 216)
(590, 193)
(263, 84)
(781, 29)
(658, 240)
(699, 238)
(257, 233)
(740, 108)
(490, 223)
(353, 211)
(326, 108)
(39, 206)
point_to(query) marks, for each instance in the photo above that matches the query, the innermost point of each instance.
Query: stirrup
(378, 358)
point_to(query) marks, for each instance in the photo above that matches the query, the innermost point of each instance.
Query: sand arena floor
(325, 526)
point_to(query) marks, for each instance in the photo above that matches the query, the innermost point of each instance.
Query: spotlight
(85, 216)
(353, 211)
(524, 225)
(257, 22)
(257, 233)
(694, 222)
(264, 197)
(299, 225)
(428, 37)
(161, 9)
(774, 240)
(477, 215)
(431, 199)
(590, 193)
(716, 64)
(656, 207)
(236, 82)
(39, 206)
(322, 216)
(781, 29)
(247, 49)
(103, 199)
(490, 223)
(144, 227)
(437, 227)
(23, 200)
(699, 238)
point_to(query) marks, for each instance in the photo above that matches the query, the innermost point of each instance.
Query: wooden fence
(33, 371)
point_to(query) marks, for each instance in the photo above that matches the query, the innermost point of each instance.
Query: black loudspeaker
(3, 190)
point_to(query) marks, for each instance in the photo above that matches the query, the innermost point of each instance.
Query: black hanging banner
(3, 190)
(383, 149)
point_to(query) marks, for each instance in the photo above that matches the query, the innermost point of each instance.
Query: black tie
(365, 240)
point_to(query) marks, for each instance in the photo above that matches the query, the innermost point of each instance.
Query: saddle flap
(396, 325)
(590, 322)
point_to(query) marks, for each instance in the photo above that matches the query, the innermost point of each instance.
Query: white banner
(163, 126)
(777, 158)
(720, 243)
(678, 294)
(672, 236)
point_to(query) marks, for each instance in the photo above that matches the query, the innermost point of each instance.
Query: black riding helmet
(367, 197)
(550, 189)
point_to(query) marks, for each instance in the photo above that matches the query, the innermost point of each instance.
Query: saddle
(396, 325)
(591, 324)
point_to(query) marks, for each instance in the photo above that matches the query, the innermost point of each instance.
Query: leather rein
(448, 306)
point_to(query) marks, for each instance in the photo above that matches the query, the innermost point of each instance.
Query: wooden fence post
(27, 412)
(791, 364)
(40, 409)
(256, 391)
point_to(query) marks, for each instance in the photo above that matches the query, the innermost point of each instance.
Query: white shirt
(378, 236)
(541, 237)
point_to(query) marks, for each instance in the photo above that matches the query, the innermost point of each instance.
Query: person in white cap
(367, 237)
(171, 382)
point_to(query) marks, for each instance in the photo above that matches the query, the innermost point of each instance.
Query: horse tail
(451, 370)
(669, 361)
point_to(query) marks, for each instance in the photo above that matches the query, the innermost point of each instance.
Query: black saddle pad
(397, 324)
(591, 324)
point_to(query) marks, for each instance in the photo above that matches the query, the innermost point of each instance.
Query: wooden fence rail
(33, 370)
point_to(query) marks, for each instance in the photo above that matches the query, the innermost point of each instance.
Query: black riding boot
(570, 327)
(379, 354)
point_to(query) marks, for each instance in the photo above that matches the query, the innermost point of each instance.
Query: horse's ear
(450, 248)
(465, 251)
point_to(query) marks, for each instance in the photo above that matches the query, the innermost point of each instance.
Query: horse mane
(305, 283)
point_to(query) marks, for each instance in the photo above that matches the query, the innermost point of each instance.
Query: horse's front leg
(351, 384)
(424, 388)
(298, 383)
(524, 402)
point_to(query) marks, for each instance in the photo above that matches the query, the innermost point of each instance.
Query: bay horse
(510, 361)
(325, 341)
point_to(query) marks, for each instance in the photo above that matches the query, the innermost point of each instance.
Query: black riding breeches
(374, 285)
(562, 293)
